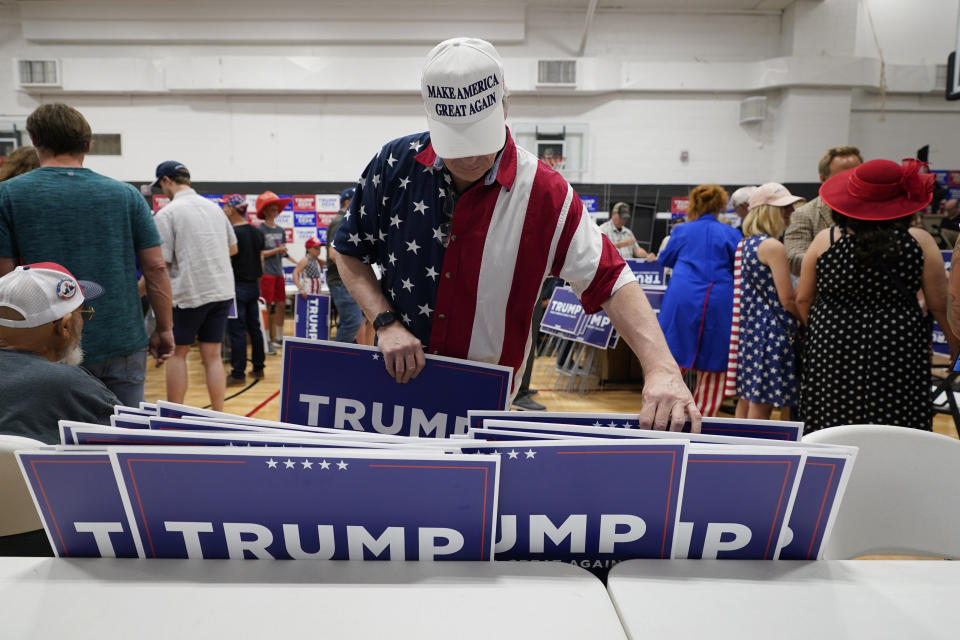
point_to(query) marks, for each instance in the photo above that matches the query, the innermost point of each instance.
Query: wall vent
(557, 73)
(38, 73)
(753, 109)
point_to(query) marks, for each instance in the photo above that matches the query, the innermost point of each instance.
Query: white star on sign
(626, 425)
(438, 234)
(404, 182)
(530, 453)
(324, 465)
(513, 454)
(395, 220)
(376, 180)
(391, 160)
(432, 273)
(342, 465)
(271, 463)
(392, 258)
(406, 284)
(420, 207)
(307, 464)
(289, 464)
(612, 424)
(597, 424)
(425, 310)
(413, 246)
(415, 145)
(355, 238)
(376, 356)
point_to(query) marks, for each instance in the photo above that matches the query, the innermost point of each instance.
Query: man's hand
(402, 352)
(161, 345)
(667, 402)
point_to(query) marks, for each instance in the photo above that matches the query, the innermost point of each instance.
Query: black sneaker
(526, 403)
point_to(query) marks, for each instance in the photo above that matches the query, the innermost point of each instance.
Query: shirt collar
(184, 192)
(503, 171)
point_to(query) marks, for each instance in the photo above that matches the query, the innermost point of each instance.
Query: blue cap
(347, 194)
(170, 169)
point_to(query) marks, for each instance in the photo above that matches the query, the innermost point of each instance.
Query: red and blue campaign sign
(736, 501)
(331, 384)
(767, 429)
(648, 273)
(591, 503)
(814, 509)
(77, 497)
(311, 316)
(335, 504)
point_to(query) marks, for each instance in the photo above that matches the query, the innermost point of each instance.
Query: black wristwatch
(383, 320)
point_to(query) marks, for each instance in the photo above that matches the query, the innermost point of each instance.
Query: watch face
(383, 319)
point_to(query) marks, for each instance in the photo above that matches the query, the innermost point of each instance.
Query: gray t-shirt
(273, 238)
(37, 393)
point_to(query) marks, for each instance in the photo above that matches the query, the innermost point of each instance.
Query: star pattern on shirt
(407, 284)
(391, 160)
(438, 234)
(415, 146)
(425, 309)
(420, 207)
(432, 273)
(413, 246)
(404, 182)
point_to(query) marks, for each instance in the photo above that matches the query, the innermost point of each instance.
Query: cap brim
(465, 140)
(91, 290)
(785, 200)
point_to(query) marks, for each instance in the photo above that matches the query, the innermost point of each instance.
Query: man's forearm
(796, 240)
(362, 285)
(635, 320)
(953, 291)
(160, 295)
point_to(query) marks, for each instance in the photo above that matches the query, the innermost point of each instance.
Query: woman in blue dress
(698, 304)
(766, 375)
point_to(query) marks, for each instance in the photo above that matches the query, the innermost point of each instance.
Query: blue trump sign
(564, 317)
(735, 504)
(814, 508)
(77, 498)
(308, 503)
(311, 317)
(330, 384)
(581, 502)
(766, 429)
(648, 273)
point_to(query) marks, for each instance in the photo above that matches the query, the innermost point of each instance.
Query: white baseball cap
(462, 88)
(43, 292)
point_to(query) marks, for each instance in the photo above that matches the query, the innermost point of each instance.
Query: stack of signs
(564, 318)
(341, 477)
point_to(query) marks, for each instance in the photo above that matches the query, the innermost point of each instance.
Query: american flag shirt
(474, 298)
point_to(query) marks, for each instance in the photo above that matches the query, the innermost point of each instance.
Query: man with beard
(42, 310)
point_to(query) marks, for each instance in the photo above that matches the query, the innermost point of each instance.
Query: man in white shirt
(620, 234)
(198, 241)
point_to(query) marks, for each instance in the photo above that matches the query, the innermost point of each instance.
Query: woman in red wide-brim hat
(867, 351)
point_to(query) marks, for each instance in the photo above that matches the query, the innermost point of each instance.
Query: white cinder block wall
(307, 91)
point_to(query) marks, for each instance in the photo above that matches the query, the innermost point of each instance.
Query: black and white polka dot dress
(867, 352)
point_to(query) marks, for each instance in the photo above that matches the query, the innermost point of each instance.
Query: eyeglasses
(87, 312)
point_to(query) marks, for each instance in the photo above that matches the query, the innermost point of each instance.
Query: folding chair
(903, 496)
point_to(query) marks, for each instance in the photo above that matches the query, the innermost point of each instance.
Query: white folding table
(721, 599)
(116, 598)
